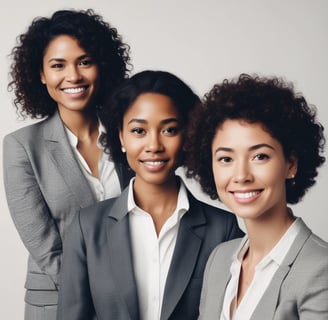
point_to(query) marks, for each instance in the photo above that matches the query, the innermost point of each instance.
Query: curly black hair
(101, 41)
(148, 81)
(270, 101)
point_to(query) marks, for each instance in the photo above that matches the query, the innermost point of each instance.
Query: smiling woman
(264, 145)
(55, 167)
(151, 243)
(70, 75)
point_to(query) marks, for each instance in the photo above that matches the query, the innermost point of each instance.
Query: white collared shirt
(263, 275)
(108, 184)
(152, 254)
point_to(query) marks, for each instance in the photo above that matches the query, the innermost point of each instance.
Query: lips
(154, 165)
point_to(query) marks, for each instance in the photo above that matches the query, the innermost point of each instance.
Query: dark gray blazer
(298, 290)
(98, 276)
(44, 187)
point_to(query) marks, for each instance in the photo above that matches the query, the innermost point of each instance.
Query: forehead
(152, 106)
(63, 45)
(243, 133)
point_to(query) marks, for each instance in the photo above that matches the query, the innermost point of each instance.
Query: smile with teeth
(246, 195)
(153, 163)
(74, 90)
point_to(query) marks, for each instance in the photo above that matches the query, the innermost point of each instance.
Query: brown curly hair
(269, 101)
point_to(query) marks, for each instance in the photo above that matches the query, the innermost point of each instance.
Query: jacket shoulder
(96, 212)
(227, 248)
(29, 132)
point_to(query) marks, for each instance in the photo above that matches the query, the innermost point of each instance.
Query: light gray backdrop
(202, 41)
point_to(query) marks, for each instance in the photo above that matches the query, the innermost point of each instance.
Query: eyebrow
(165, 121)
(252, 148)
(83, 56)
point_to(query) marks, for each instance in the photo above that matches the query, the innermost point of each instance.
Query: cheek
(132, 148)
(219, 176)
(223, 177)
(94, 77)
(271, 176)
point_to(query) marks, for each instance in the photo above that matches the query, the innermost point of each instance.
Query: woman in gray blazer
(264, 145)
(142, 255)
(63, 69)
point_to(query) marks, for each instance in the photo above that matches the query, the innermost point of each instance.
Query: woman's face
(69, 73)
(250, 170)
(152, 137)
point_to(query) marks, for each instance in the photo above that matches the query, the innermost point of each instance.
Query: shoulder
(307, 280)
(91, 214)
(27, 133)
(314, 249)
(92, 222)
(222, 255)
(227, 248)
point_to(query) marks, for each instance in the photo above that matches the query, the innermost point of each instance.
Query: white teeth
(153, 163)
(74, 90)
(246, 195)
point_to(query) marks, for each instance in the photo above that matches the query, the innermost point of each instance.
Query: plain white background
(203, 42)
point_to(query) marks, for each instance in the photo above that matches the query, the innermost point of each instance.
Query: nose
(73, 74)
(154, 143)
(242, 173)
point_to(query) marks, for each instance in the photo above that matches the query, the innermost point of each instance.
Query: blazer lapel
(184, 258)
(268, 303)
(63, 157)
(120, 251)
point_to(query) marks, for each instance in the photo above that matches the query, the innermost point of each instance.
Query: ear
(121, 137)
(42, 77)
(292, 168)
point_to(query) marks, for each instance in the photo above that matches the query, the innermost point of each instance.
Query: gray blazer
(44, 187)
(298, 290)
(98, 275)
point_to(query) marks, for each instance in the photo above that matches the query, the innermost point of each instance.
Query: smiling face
(69, 73)
(152, 137)
(250, 170)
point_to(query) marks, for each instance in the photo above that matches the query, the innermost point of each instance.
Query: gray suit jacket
(98, 275)
(298, 290)
(44, 187)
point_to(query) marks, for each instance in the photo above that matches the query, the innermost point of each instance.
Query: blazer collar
(268, 302)
(183, 260)
(62, 155)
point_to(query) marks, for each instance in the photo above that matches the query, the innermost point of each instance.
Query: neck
(148, 196)
(82, 124)
(264, 234)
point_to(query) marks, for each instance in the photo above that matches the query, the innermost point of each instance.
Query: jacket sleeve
(75, 301)
(29, 211)
(314, 304)
(313, 289)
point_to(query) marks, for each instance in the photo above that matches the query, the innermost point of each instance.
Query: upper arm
(28, 208)
(75, 301)
(314, 301)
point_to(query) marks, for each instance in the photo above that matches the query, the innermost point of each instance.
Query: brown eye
(261, 156)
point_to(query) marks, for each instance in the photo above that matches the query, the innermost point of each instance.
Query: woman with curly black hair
(64, 67)
(264, 145)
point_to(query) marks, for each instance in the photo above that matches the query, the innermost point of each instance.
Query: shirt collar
(182, 203)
